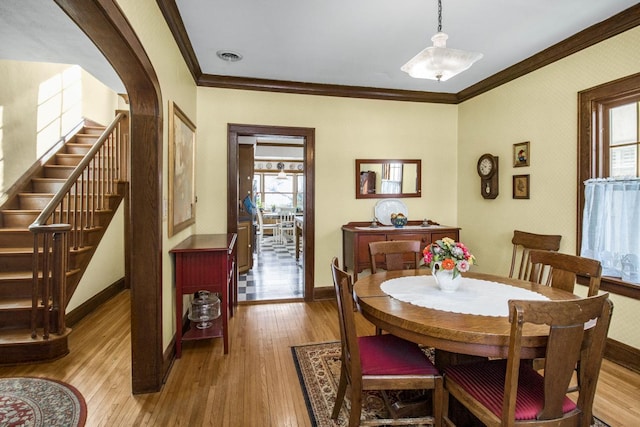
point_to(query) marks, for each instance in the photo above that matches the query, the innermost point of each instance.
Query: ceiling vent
(228, 56)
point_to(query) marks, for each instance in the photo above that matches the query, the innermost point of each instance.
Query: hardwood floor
(254, 385)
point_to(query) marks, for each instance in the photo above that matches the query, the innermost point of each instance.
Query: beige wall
(345, 129)
(540, 107)
(177, 86)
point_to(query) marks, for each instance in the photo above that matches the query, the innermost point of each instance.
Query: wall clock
(488, 171)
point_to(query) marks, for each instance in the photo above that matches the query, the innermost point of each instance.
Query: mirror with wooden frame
(383, 178)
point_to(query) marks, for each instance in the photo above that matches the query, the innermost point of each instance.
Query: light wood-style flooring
(254, 385)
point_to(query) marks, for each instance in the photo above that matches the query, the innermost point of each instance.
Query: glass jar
(205, 307)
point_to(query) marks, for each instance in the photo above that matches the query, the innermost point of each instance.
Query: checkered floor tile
(275, 274)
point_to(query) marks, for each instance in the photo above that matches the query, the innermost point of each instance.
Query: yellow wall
(345, 129)
(177, 86)
(21, 123)
(540, 107)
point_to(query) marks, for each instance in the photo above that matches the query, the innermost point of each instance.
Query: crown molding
(228, 82)
(601, 31)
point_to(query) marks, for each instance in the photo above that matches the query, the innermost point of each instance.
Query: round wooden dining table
(455, 334)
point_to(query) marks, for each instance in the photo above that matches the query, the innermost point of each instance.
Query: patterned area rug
(318, 367)
(39, 402)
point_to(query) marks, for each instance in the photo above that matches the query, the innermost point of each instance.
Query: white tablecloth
(474, 296)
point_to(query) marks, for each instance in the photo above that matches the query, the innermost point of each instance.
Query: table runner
(474, 296)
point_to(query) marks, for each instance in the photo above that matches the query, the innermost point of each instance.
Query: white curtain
(611, 223)
(390, 187)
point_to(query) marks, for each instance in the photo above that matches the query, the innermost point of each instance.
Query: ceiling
(361, 43)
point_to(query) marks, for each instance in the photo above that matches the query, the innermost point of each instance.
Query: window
(273, 192)
(608, 171)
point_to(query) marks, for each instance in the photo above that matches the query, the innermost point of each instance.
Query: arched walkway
(105, 24)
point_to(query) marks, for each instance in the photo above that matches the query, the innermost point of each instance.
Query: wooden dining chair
(379, 362)
(506, 392)
(560, 270)
(398, 254)
(524, 242)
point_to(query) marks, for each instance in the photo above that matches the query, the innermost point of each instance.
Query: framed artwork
(520, 186)
(182, 159)
(521, 154)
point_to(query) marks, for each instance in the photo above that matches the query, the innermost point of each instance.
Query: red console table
(205, 262)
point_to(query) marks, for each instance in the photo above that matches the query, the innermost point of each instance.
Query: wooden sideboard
(205, 262)
(357, 235)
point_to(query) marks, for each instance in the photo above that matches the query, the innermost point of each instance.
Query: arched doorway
(108, 28)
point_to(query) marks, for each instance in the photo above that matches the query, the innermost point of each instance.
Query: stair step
(68, 159)
(16, 275)
(18, 347)
(13, 218)
(83, 138)
(77, 148)
(22, 237)
(21, 259)
(58, 171)
(34, 200)
(7, 304)
(18, 284)
(47, 185)
(93, 130)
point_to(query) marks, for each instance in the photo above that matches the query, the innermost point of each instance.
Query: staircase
(49, 229)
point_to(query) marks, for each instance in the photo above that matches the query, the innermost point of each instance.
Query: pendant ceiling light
(438, 62)
(281, 174)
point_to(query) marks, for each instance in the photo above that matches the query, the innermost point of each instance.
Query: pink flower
(463, 266)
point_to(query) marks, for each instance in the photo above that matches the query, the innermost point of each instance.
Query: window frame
(593, 155)
(295, 186)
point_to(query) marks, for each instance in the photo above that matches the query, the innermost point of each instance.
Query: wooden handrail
(61, 226)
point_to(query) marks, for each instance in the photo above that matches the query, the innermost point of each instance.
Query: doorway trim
(236, 130)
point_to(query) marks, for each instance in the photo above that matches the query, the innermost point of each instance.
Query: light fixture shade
(281, 174)
(438, 62)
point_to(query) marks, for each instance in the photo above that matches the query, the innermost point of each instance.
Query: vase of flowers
(447, 259)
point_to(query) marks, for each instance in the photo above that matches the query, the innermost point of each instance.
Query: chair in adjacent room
(524, 242)
(286, 227)
(503, 392)
(262, 227)
(379, 362)
(398, 254)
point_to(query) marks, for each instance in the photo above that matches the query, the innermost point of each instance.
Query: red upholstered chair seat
(389, 355)
(485, 382)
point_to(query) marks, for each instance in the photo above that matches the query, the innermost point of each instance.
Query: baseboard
(325, 292)
(622, 354)
(80, 312)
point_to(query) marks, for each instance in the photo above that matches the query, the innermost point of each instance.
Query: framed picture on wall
(520, 186)
(182, 159)
(521, 154)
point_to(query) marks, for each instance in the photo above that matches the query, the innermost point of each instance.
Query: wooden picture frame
(182, 160)
(521, 154)
(520, 186)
